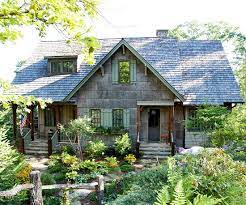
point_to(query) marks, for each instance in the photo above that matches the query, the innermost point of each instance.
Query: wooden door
(154, 125)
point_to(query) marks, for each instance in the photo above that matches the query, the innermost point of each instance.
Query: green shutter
(106, 117)
(126, 118)
(133, 71)
(115, 71)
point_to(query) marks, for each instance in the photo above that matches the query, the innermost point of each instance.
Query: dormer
(60, 65)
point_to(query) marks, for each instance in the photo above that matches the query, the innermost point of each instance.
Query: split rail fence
(36, 188)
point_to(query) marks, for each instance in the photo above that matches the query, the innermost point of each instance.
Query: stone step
(34, 143)
(36, 152)
(154, 145)
(40, 146)
(157, 153)
(155, 149)
(154, 157)
(37, 148)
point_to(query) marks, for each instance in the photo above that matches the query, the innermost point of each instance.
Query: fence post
(100, 189)
(36, 192)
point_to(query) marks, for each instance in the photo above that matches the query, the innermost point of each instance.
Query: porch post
(138, 131)
(32, 121)
(58, 120)
(14, 108)
(171, 128)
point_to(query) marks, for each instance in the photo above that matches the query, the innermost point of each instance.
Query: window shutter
(126, 118)
(133, 71)
(106, 117)
(115, 71)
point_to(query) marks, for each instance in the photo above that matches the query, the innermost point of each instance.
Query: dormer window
(58, 66)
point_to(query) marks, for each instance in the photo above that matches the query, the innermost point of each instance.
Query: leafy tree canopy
(71, 18)
(218, 31)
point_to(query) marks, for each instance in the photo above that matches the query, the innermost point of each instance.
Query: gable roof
(197, 70)
(159, 75)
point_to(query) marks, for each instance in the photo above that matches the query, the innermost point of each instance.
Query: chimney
(162, 33)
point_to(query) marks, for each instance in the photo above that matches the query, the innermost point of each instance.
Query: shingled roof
(197, 70)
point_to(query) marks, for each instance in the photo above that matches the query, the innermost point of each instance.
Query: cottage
(146, 85)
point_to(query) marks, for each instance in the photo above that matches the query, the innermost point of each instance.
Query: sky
(132, 18)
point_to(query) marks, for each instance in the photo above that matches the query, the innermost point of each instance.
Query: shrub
(127, 168)
(80, 129)
(111, 162)
(136, 188)
(130, 158)
(95, 149)
(123, 144)
(211, 177)
(13, 170)
(23, 174)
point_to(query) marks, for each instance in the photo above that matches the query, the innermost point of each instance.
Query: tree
(71, 18)
(79, 130)
(228, 34)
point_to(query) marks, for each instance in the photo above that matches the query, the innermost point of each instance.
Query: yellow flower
(23, 174)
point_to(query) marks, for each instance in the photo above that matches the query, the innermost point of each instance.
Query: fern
(205, 200)
(179, 195)
(163, 196)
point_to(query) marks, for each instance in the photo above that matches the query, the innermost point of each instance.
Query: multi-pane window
(124, 71)
(193, 123)
(49, 117)
(62, 66)
(95, 115)
(118, 118)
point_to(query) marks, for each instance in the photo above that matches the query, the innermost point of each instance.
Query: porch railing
(26, 139)
(53, 141)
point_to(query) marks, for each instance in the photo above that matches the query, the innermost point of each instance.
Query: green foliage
(6, 122)
(79, 129)
(233, 129)
(13, 170)
(209, 117)
(163, 196)
(211, 177)
(68, 17)
(205, 200)
(95, 149)
(66, 167)
(211, 173)
(111, 162)
(123, 144)
(136, 188)
(179, 195)
(127, 168)
(228, 34)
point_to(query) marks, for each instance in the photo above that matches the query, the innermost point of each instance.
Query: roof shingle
(199, 70)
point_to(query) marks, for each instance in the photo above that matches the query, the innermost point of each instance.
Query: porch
(155, 128)
(41, 133)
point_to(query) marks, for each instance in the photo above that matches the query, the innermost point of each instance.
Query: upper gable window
(124, 71)
(62, 66)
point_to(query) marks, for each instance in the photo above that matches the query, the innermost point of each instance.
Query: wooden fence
(36, 188)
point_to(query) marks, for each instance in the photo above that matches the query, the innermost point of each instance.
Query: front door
(154, 125)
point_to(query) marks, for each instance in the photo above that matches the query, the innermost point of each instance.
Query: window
(118, 118)
(193, 124)
(49, 117)
(124, 72)
(62, 66)
(95, 115)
